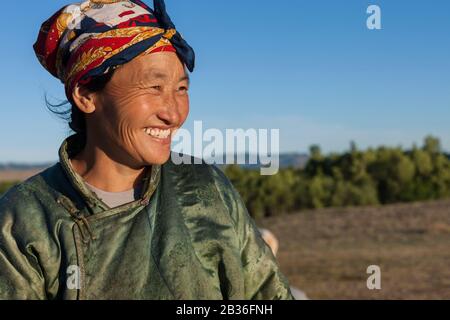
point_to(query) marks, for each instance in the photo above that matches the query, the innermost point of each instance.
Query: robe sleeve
(263, 277)
(21, 277)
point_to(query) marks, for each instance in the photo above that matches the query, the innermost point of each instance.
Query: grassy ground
(17, 175)
(326, 252)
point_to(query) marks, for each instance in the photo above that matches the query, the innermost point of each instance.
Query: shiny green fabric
(188, 237)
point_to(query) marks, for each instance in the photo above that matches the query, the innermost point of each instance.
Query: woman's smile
(163, 136)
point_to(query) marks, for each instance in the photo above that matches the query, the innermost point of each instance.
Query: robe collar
(70, 147)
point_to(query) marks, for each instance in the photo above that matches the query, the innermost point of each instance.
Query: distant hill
(24, 166)
(20, 171)
(294, 160)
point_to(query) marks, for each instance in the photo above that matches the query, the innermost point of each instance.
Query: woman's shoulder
(31, 195)
(207, 184)
(195, 171)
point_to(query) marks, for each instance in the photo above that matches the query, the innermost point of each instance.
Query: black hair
(68, 110)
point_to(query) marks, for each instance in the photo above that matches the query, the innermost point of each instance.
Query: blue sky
(310, 68)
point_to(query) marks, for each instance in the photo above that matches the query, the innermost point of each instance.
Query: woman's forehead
(161, 65)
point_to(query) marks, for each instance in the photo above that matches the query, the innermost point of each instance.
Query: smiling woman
(115, 213)
(132, 119)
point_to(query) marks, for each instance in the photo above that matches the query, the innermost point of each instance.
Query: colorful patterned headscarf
(84, 40)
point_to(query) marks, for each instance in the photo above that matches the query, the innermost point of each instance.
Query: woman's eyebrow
(157, 74)
(185, 78)
(161, 75)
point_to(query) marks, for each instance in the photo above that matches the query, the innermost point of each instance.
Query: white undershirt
(116, 199)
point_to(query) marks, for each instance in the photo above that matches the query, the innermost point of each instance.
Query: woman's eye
(183, 89)
(156, 87)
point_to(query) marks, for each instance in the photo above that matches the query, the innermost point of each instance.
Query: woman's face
(140, 109)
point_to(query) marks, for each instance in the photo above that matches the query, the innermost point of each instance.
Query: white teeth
(158, 133)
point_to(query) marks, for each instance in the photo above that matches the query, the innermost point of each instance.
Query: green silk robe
(188, 237)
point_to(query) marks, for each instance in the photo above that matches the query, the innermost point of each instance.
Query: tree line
(354, 178)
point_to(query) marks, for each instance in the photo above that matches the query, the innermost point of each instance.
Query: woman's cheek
(184, 109)
(134, 112)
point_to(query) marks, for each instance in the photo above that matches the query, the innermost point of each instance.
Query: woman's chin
(154, 151)
(159, 161)
(157, 158)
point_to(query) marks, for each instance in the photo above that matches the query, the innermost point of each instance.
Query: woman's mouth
(162, 135)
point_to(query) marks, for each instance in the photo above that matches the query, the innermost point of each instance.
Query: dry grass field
(17, 175)
(326, 252)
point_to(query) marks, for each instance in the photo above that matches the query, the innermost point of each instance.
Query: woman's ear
(84, 99)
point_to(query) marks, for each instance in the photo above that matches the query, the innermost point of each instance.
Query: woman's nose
(170, 113)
